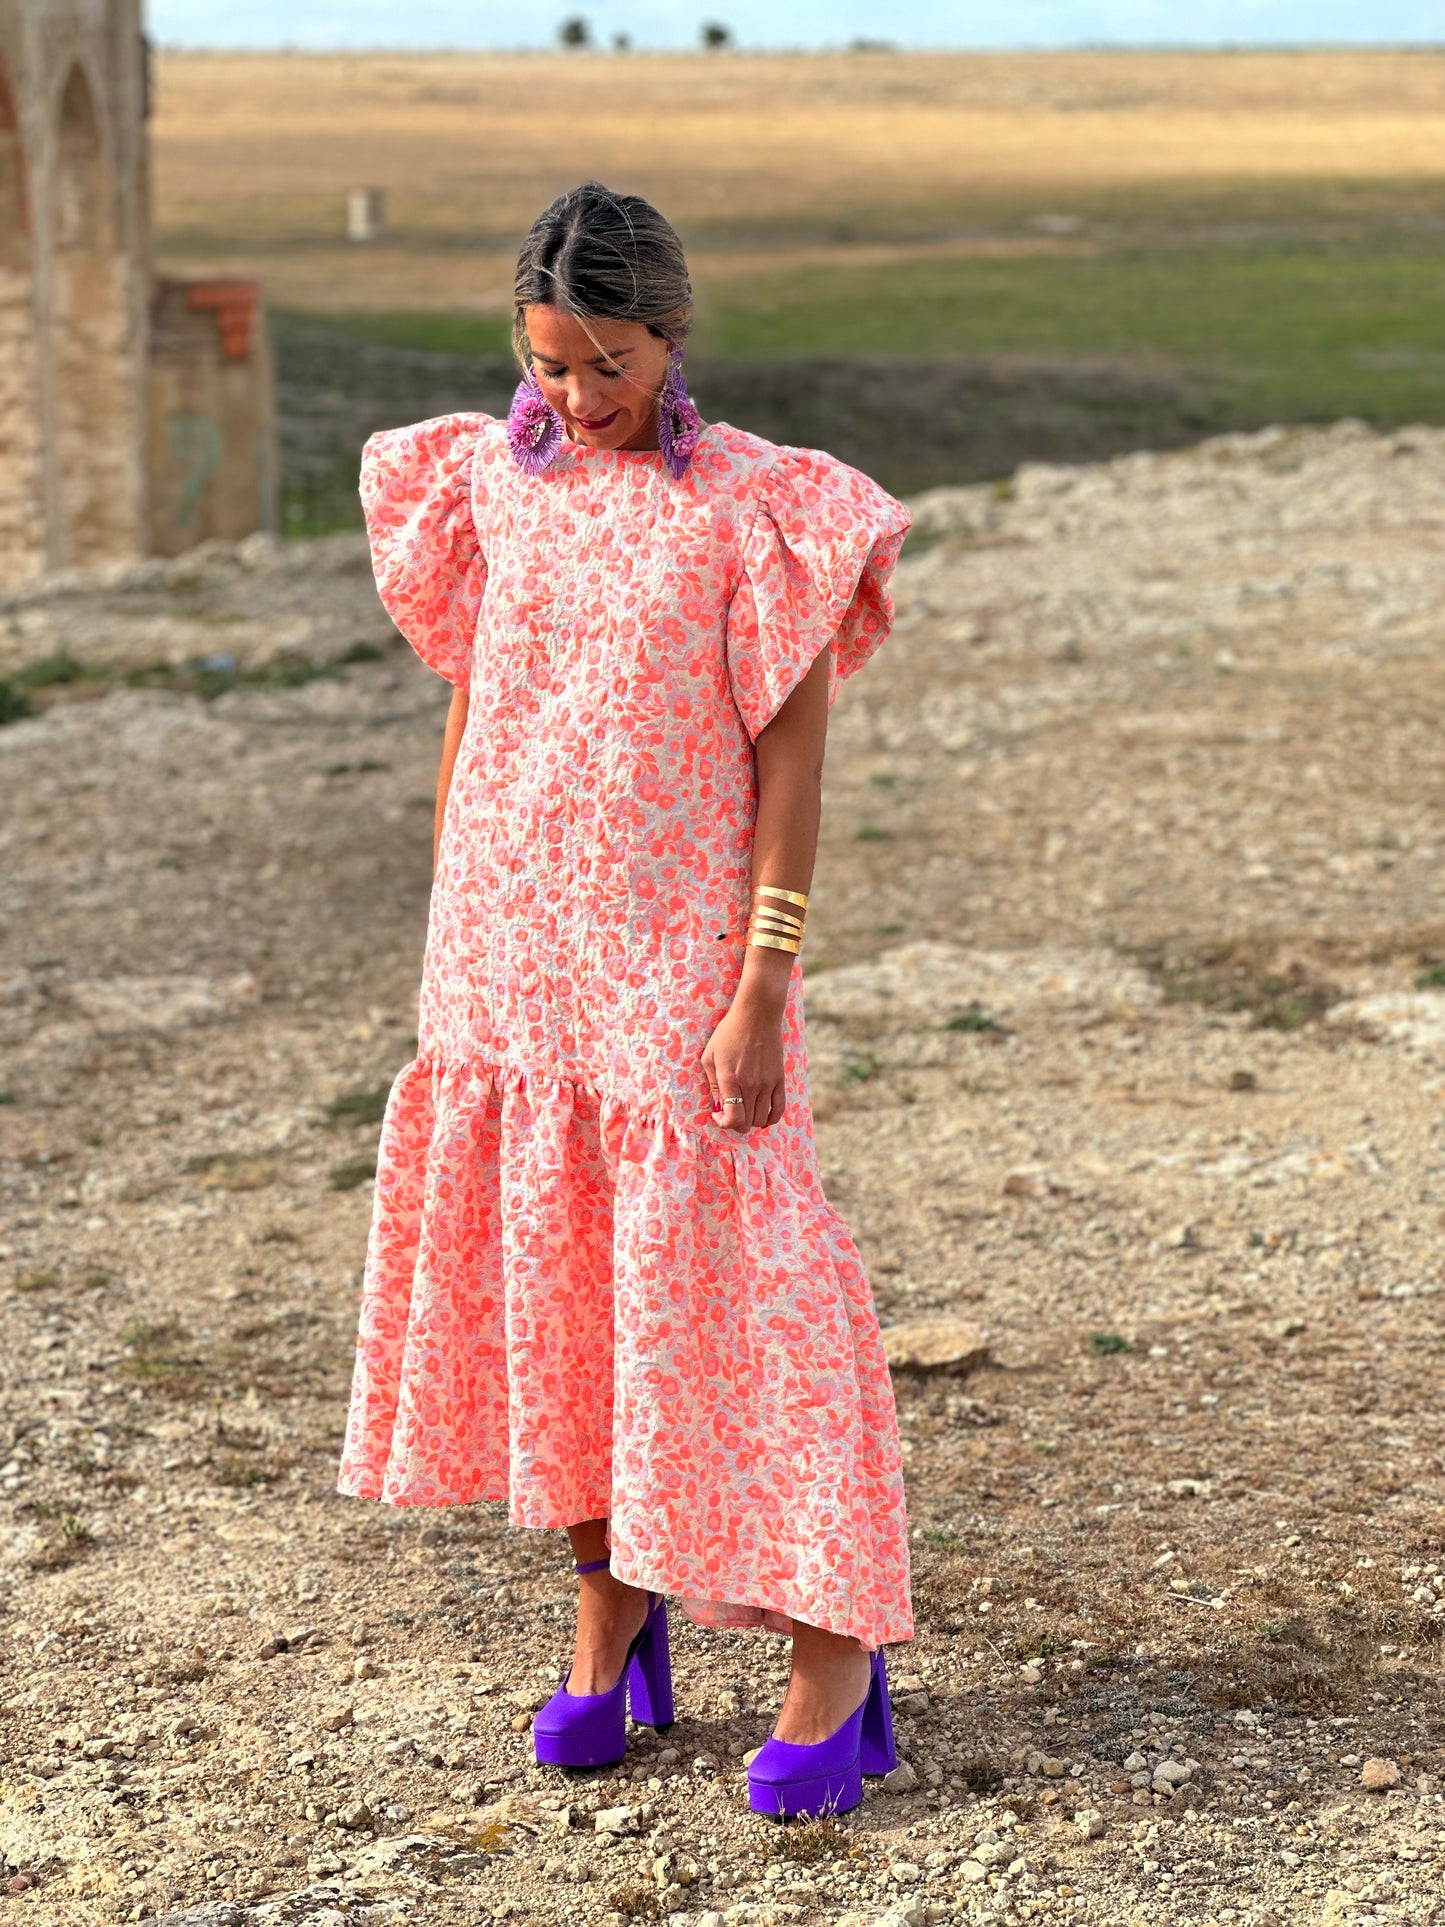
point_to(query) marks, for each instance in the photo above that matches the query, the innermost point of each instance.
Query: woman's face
(603, 383)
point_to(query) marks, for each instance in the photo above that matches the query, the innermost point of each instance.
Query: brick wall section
(212, 426)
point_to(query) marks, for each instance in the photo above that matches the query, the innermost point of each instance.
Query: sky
(795, 23)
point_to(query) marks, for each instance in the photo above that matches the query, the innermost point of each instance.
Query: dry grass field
(842, 155)
(936, 267)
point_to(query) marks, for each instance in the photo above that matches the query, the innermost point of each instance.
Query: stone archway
(95, 402)
(22, 536)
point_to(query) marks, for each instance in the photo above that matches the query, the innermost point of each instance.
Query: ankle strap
(594, 1565)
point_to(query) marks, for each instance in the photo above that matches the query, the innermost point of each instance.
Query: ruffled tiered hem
(593, 1310)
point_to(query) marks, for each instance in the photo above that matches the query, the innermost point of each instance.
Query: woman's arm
(744, 1056)
(451, 742)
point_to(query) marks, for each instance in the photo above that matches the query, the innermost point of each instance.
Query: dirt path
(1130, 880)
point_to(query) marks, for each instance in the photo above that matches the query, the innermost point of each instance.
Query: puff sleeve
(816, 562)
(417, 491)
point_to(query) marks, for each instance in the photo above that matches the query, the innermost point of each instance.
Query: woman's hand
(744, 1058)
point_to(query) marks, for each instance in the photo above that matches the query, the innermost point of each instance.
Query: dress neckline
(636, 454)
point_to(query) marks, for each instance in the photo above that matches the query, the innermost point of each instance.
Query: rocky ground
(1126, 996)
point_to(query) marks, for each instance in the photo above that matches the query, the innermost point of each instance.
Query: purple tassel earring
(678, 422)
(534, 428)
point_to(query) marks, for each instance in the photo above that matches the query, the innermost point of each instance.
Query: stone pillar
(22, 521)
(95, 496)
(365, 214)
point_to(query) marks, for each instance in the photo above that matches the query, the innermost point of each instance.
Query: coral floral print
(582, 1294)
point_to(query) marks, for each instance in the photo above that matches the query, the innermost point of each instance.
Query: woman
(603, 1282)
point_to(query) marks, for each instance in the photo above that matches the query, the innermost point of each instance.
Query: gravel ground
(1126, 996)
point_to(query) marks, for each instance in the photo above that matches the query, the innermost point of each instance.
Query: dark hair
(603, 257)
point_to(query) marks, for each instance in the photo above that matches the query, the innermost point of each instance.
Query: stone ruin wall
(120, 432)
(214, 469)
(21, 537)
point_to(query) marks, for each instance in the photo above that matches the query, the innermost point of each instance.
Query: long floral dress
(582, 1293)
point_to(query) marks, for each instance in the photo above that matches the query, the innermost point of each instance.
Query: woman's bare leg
(829, 1681)
(609, 1614)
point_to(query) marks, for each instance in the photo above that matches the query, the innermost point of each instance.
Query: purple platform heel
(590, 1729)
(788, 1780)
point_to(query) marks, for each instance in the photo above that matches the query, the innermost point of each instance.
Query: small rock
(1026, 1184)
(1378, 1774)
(669, 1756)
(1030, 1675)
(1053, 1769)
(336, 1718)
(902, 1779)
(210, 1913)
(354, 1817)
(973, 1872)
(364, 1668)
(1184, 1237)
(904, 1913)
(615, 1820)
(905, 1873)
(912, 1703)
(1243, 1081)
(1170, 1774)
(512, 1809)
(1090, 1822)
(304, 1758)
(748, 1757)
(520, 1722)
(935, 1345)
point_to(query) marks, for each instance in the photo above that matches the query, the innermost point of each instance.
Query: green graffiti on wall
(199, 451)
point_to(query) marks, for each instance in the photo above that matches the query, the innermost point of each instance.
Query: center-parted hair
(603, 257)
